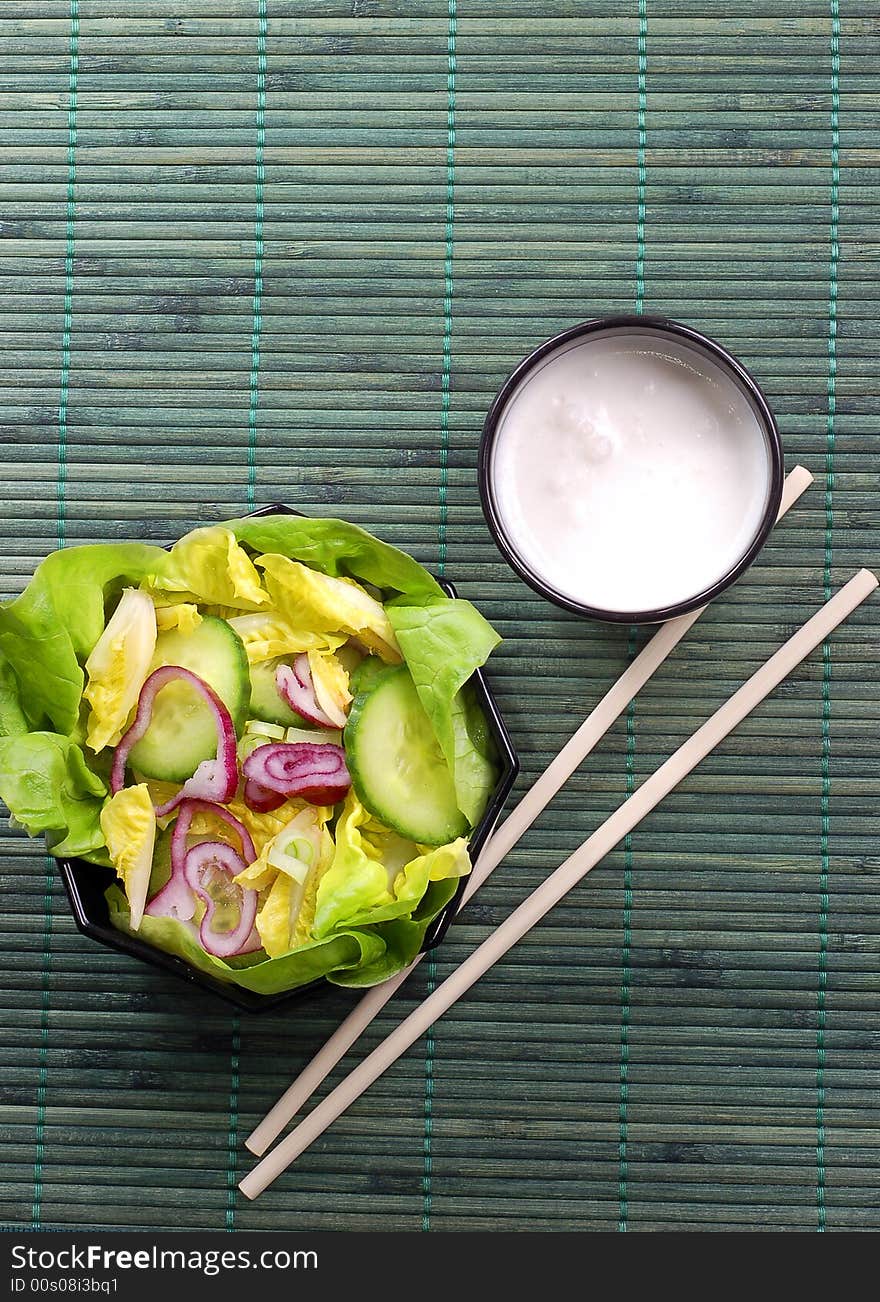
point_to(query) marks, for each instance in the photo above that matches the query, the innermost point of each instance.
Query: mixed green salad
(269, 733)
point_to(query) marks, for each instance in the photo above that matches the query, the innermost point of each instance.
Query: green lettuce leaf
(356, 881)
(476, 760)
(58, 619)
(355, 957)
(403, 939)
(338, 548)
(49, 788)
(13, 719)
(443, 643)
(377, 876)
(402, 942)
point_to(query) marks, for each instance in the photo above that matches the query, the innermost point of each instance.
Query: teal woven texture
(271, 250)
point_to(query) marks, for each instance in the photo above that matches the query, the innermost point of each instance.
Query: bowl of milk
(630, 469)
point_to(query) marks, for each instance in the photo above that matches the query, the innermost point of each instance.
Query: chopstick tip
(249, 1186)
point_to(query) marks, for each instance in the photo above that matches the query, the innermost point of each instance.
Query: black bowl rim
(248, 1000)
(728, 363)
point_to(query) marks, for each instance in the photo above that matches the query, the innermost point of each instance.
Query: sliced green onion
(313, 736)
(287, 863)
(290, 841)
(260, 729)
(248, 743)
(304, 850)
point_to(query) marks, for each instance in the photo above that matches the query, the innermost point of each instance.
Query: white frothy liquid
(630, 472)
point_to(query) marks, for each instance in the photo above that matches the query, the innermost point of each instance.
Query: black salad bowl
(86, 883)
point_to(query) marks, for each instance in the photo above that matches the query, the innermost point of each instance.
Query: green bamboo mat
(287, 250)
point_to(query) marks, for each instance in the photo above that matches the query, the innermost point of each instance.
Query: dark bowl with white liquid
(643, 336)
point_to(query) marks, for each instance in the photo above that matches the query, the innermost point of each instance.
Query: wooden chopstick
(536, 799)
(566, 876)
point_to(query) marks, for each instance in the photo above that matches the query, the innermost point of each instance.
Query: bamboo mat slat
(419, 192)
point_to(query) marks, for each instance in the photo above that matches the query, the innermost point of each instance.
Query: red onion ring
(296, 689)
(191, 807)
(175, 899)
(261, 800)
(215, 864)
(252, 944)
(314, 773)
(211, 781)
(214, 780)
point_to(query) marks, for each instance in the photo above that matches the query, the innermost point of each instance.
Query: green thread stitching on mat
(61, 480)
(427, 1155)
(626, 970)
(232, 1134)
(445, 380)
(642, 156)
(257, 327)
(626, 955)
(822, 978)
(253, 394)
(68, 269)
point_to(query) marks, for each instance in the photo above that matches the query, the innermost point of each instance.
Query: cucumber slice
(365, 675)
(397, 767)
(182, 731)
(266, 701)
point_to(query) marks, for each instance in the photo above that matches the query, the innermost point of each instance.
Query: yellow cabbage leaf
(330, 682)
(287, 912)
(434, 864)
(377, 875)
(183, 615)
(309, 599)
(128, 822)
(211, 564)
(267, 635)
(117, 667)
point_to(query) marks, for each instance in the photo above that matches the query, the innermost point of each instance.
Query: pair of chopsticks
(536, 799)
(559, 883)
